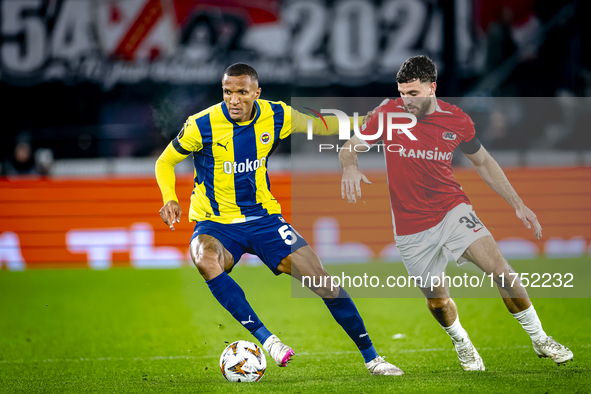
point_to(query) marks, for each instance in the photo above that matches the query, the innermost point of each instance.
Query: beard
(421, 109)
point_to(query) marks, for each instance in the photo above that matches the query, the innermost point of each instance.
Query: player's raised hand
(171, 213)
(529, 219)
(351, 184)
(366, 117)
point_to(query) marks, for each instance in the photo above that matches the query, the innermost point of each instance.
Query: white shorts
(422, 253)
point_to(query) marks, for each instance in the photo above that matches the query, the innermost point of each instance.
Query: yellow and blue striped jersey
(230, 158)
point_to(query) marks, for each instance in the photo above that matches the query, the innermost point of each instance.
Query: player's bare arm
(352, 177)
(490, 171)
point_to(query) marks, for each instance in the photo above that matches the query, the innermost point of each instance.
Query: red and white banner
(191, 42)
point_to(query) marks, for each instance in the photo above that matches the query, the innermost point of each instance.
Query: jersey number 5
(285, 232)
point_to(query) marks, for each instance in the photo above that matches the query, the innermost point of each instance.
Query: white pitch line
(155, 358)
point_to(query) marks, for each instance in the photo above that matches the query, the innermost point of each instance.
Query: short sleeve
(469, 131)
(189, 138)
(469, 143)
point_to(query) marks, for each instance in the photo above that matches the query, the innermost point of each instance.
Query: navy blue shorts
(270, 237)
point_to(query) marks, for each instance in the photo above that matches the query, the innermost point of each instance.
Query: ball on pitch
(243, 361)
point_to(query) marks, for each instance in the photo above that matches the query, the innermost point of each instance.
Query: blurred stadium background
(94, 90)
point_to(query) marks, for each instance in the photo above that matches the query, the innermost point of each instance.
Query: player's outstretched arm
(171, 211)
(490, 171)
(352, 177)
(329, 125)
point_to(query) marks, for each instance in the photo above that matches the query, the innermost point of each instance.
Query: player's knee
(207, 268)
(436, 304)
(503, 272)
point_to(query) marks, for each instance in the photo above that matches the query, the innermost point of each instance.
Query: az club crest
(448, 135)
(265, 138)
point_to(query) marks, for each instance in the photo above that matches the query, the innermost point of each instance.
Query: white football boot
(379, 366)
(278, 350)
(547, 347)
(469, 358)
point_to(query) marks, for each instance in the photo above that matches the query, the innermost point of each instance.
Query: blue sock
(345, 313)
(230, 295)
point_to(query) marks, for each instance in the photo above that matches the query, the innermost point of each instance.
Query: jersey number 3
(470, 223)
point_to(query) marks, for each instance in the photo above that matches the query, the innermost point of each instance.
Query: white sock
(530, 322)
(456, 331)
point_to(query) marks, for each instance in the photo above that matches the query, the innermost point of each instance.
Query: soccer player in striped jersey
(236, 212)
(430, 210)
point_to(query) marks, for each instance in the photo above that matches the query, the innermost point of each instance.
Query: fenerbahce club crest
(265, 138)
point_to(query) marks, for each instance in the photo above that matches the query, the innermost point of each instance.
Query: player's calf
(305, 266)
(443, 310)
(323, 286)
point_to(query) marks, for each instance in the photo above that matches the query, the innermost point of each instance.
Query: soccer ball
(243, 361)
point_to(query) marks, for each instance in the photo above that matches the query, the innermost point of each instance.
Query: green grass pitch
(126, 330)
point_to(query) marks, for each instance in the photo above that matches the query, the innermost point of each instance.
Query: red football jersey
(420, 177)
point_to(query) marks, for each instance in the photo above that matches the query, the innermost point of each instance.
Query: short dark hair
(239, 69)
(417, 67)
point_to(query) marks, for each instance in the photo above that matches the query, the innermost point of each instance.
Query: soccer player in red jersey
(430, 210)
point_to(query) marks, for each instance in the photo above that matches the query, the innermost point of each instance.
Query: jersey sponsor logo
(426, 154)
(265, 138)
(224, 146)
(448, 135)
(247, 166)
